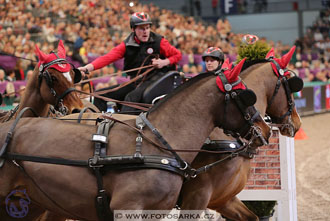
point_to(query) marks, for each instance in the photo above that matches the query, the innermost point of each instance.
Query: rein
(127, 83)
(115, 74)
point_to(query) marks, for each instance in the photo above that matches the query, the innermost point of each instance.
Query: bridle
(249, 128)
(44, 73)
(282, 79)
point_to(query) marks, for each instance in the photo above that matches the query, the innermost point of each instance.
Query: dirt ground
(313, 169)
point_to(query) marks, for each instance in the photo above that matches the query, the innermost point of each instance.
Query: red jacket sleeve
(169, 51)
(115, 54)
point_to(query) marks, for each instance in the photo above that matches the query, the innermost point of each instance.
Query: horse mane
(249, 63)
(177, 90)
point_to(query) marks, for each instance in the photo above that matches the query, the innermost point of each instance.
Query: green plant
(251, 52)
(261, 208)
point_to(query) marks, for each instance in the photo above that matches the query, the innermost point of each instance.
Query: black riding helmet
(139, 18)
(214, 53)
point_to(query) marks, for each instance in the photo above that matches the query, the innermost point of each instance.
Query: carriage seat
(162, 86)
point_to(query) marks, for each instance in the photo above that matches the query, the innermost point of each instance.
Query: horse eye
(54, 78)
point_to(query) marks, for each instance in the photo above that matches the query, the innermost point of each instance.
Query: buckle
(99, 138)
(92, 162)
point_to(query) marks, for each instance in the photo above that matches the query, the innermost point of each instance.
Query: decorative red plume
(46, 58)
(42, 56)
(226, 64)
(271, 53)
(231, 74)
(61, 50)
(285, 59)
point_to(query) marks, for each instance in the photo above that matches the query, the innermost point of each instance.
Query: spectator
(2, 75)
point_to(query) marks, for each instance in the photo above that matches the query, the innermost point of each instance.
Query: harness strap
(69, 90)
(38, 159)
(286, 88)
(44, 192)
(10, 133)
(82, 112)
(102, 200)
(154, 130)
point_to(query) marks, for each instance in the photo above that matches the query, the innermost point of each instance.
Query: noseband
(249, 128)
(43, 72)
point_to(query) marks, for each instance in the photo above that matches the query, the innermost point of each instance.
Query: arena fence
(273, 177)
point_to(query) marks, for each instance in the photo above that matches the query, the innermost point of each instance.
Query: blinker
(77, 75)
(248, 97)
(296, 84)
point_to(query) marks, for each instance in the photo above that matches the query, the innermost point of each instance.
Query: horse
(50, 84)
(217, 188)
(185, 118)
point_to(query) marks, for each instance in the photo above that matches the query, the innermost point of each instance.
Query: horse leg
(197, 199)
(236, 210)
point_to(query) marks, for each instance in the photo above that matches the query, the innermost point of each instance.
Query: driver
(141, 47)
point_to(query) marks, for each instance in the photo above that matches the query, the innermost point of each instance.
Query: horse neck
(261, 79)
(187, 118)
(32, 98)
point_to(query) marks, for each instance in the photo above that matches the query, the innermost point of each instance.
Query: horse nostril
(75, 111)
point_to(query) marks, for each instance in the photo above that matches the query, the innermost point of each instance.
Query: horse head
(56, 78)
(245, 120)
(284, 113)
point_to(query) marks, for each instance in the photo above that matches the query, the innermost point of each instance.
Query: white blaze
(67, 76)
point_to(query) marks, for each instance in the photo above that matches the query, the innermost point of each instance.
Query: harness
(249, 128)
(43, 73)
(281, 79)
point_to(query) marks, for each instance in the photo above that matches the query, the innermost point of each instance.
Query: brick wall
(265, 167)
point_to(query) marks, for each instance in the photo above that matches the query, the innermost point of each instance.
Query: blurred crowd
(90, 28)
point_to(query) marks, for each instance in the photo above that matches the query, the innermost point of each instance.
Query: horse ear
(270, 54)
(42, 56)
(237, 69)
(248, 97)
(295, 84)
(226, 64)
(61, 49)
(285, 59)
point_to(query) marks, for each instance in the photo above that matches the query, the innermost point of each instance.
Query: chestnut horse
(218, 187)
(185, 118)
(50, 84)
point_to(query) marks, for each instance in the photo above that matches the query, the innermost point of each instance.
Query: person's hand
(85, 70)
(159, 63)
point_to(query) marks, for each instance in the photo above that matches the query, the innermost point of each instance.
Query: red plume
(42, 56)
(271, 53)
(226, 64)
(233, 75)
(61, 50)
(285, 59)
